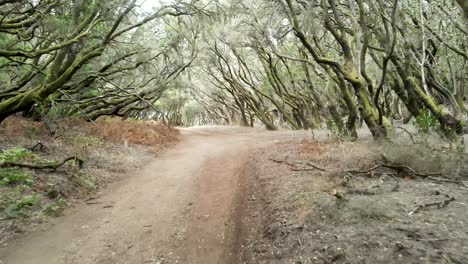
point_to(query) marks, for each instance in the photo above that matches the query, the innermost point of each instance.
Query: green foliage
(90, 93)
(18, 154)
(15, 154)
(11, 194)
(55, 112)
(21, 207)
(426, 121)
(331, 126)
(84, 182)
(11, 176)
(52, 109)
(54, 209)
(56, 24)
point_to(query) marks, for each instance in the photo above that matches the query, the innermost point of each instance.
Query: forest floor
(326, 202)
(239, 195)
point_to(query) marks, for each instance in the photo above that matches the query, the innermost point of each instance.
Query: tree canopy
(281, 63)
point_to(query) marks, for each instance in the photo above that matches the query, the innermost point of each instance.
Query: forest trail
(176, 209)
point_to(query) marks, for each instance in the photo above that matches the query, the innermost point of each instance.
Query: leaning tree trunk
(450, 125)
(464, 5)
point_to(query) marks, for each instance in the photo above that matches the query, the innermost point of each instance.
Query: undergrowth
(15, 154)
(27, 196)
(126, 132)
(22, 207)
(18, 202)
(18, 198)
(12, 176)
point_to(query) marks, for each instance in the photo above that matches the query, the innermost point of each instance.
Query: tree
(53, 42)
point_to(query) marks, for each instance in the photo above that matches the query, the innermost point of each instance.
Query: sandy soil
(176, 209)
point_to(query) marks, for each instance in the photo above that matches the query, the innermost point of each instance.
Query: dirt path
(177, 209)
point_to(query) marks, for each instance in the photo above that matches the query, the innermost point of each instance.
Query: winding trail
(178, 209)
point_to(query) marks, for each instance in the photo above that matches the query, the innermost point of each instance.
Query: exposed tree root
(48, 166)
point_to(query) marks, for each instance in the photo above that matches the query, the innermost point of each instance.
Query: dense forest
(233, 131)
(283, 63)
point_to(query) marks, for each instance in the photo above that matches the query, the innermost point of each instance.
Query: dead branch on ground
(47, 166)
(396, 167)
(440, 204)
(400, 170)
(444, 180)
(294, 166)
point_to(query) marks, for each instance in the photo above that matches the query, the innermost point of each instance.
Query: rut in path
(179, 209)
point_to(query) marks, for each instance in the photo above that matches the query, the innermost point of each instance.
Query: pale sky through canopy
(148, 5)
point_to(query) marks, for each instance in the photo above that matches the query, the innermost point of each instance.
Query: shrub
(21, 207)
(331, 126)
(84, 182)
(10, 176)
(18, 154)
(54, 209)
(425, 121)
(15, 154)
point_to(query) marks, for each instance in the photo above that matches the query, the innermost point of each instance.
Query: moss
(370, 114)
(449, 124)
(427, 99)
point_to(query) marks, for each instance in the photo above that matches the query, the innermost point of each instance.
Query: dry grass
(297, 219)
(111, 149)
(14, 127)
(149, 133)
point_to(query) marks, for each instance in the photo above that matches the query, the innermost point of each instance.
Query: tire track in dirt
(212, 226)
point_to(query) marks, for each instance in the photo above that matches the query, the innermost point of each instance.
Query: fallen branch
(93, 198)
(396, 167)
(282, 161)
(315, 167)
(364, 191)
(295, 168)
(363, 171)
(403, 168)
(439, 205)
(443, 180)
(91, 203)
(48, 166)
(374, 189)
